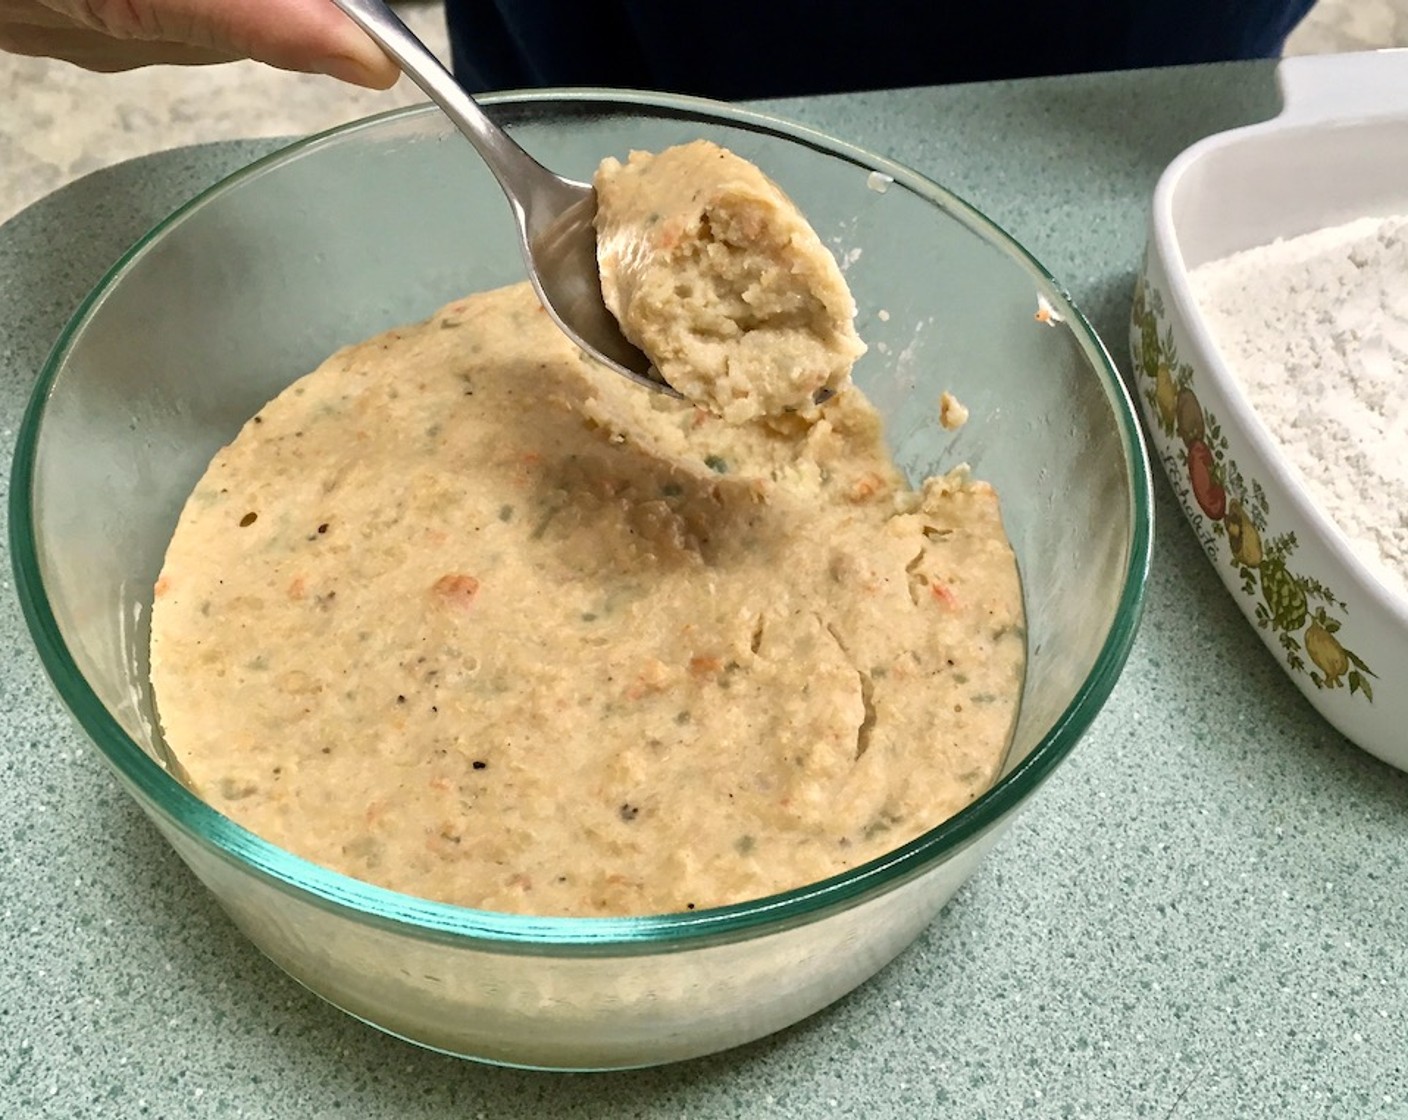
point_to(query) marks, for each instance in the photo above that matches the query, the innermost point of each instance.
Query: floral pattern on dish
(1230, 512)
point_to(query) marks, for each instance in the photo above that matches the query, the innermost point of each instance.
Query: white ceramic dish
(1338, 151)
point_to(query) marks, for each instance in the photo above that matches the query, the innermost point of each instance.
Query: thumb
(309, 35)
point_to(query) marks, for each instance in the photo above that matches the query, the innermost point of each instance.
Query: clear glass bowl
(254, 282)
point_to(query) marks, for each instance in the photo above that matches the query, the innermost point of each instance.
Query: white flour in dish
(1316, 328)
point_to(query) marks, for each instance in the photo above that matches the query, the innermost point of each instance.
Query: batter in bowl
(466, 616)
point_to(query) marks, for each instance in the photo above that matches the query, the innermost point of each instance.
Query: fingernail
(377, 73)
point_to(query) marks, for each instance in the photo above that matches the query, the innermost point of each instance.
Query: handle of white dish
(1341, 87)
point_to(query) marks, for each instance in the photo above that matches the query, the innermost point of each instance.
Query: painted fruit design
(1324, 648)
(1283, 595)
(1209, 493)
(1305, 616)
(1165, 395)
(1188, 417)
(1243, 537)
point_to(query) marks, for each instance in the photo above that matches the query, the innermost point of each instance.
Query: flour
(1316, 330)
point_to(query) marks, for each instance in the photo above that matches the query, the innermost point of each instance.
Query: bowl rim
(161, 793)
(1166, 246)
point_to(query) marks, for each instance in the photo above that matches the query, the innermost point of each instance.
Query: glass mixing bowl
(335, 238)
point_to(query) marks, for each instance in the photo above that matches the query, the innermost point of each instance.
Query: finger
(93, 50)
(31, 13)
(285, 33)
(307, 35)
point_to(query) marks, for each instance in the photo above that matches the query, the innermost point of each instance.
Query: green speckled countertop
(1203, 914)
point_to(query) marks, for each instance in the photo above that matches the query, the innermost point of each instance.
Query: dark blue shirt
(733, 49)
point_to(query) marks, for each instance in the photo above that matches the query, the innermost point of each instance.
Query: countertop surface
(1201, 915)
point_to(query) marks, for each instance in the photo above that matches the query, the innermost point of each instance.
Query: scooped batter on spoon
(712, 271)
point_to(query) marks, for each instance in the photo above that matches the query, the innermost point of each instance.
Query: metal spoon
(554, 215)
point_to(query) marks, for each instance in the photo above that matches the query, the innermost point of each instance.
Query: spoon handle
(531, 188)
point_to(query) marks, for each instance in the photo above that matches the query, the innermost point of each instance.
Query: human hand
(107, 35)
